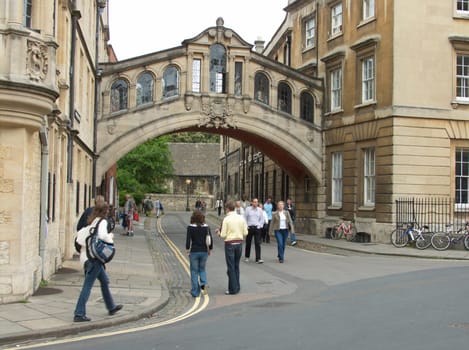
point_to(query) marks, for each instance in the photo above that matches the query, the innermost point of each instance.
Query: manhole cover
(47, 291)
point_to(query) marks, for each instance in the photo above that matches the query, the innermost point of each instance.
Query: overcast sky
(139, 27)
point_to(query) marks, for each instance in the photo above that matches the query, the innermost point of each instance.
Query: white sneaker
(293, 243)
(260, 261)
(246, 260)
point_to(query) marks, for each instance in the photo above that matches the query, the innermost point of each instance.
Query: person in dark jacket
(198, 247)
(83, 221)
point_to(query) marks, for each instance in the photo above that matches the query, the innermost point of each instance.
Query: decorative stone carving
(216, 113)
(111, 127)
(4, 252)
(37, 61)
(188, 100)
(246, 104)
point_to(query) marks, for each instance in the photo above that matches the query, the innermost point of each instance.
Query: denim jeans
(281, 236)
(233, 254)
(292, 237)
(94, 269)
(198, 260)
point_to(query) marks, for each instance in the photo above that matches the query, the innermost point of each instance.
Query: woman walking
(281, 223)
(198, 247)
(94, 269)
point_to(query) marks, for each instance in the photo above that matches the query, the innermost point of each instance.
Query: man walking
(269, 209)
(255, 221)
(233, 231)
(219, 206)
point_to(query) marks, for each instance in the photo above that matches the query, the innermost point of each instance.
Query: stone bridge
(214, 82)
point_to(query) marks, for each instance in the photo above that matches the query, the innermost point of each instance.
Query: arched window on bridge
(218, 69)
(145, 86)
(284, 98)
(170, 82)
(307, 107)
(261, 88)
(119, 94)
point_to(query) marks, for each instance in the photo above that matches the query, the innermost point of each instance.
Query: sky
(138, 27)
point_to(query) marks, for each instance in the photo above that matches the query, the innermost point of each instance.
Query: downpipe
(43, 218)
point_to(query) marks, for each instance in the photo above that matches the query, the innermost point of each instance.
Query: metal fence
(435, 212)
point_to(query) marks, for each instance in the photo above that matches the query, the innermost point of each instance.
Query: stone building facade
(50, 50)
(395, 108)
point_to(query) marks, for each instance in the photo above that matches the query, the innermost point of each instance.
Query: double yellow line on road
(197, 306)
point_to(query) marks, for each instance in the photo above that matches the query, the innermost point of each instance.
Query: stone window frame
(334, 61)
(218, 79)
(152, 88)
(335, 29)
(455, 146)
(196, 82)
(304, 105)
(312, 38)
(260, 86)
(337, 178)
(123, 98)
(368, 178)
(462, 14)
(365, 49)
(284, 97)
(367, 14)
(28, 13)
(174, 92)
(460, 48)
(238, 78)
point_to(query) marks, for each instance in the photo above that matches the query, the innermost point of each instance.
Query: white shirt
(283, 220)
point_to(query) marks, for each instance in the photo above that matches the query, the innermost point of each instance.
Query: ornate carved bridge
(215, 83)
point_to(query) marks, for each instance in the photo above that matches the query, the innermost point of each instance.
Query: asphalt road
(315, 301)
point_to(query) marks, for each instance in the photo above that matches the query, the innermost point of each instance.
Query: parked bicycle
(412, 233)
(345, 227)
(443, 240)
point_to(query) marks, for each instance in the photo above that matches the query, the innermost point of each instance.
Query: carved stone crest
(37, 61)
(216, 113)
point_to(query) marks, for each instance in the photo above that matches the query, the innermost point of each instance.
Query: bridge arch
(293, 143)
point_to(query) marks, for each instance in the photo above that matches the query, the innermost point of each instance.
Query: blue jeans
(94, 269)
(281, 236)
(198, 260)
(292, 237)
(233, 254)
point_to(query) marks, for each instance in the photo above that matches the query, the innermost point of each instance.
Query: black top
(195, 239)
(83, 221)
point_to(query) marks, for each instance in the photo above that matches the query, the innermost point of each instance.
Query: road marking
(196, 308)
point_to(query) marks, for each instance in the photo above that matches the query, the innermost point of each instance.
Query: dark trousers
(256, 233)
(233, 254)
(219, 211)
(265, 233)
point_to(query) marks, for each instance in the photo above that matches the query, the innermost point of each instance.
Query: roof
(195, 159)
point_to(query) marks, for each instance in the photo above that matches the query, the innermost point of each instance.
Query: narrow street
(313, 300)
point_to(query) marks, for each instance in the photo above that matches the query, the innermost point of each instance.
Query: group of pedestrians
(241, 222)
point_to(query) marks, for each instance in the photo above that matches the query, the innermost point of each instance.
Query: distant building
(199, 163)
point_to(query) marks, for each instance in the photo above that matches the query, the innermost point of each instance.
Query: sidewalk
(133, 281)
(319, 243)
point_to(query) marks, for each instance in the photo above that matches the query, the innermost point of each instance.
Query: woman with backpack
(94, 269)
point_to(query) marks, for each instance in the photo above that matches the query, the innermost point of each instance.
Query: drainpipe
(43, 219)
(71, 110)
(100, 5)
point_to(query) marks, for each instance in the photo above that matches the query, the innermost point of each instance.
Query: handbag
(208, 239)
(98, 249)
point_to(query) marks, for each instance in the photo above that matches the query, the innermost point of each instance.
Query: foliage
(145, 169)
(194, 137)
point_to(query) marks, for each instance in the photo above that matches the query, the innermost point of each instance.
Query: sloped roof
(195, 159)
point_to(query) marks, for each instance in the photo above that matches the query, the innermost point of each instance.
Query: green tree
(145, 169)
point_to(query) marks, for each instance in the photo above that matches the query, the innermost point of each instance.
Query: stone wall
(178, 202)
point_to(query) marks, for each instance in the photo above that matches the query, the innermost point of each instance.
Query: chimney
(259, 45)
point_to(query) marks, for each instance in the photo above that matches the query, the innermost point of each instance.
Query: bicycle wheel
(399, 238)
(337, 232)
(423, 241)
(440, 241)
(466, 242)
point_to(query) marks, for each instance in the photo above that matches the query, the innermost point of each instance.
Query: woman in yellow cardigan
(280, 225)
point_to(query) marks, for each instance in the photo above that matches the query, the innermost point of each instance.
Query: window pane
(261, 88)
(119, 92)
(238, 88)
(336, 19)
(307, 107)
(196, 65)
(284, 98)
(462, 175)
(217, 68)
(145, 85)
(170, 82)
(310, 28)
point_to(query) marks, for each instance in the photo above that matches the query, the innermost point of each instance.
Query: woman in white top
(94, 269)
(280, 225)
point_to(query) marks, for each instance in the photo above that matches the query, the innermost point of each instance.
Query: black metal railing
(435, 212)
